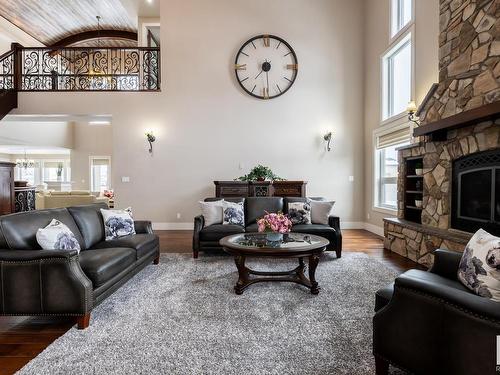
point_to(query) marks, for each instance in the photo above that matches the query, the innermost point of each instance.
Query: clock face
(266, 66)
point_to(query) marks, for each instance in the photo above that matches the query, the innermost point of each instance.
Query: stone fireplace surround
(469, 79)
(418, 241)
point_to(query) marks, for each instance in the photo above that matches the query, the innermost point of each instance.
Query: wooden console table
(232, 189)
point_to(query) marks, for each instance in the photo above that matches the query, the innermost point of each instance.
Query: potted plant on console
(260, 173)
(274, 225)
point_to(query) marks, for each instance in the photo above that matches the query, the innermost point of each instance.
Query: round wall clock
(266, 66)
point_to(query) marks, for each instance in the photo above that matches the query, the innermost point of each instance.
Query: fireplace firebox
(476, 192)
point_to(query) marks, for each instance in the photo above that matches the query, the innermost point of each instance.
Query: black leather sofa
(53, 282)
(429, 323)
(206, 238)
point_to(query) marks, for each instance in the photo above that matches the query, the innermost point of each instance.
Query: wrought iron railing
(81, 69)
(7, 71)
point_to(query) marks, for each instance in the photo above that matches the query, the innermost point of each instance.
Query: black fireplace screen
(476, 192)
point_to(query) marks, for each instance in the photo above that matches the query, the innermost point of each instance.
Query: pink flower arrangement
(278, 223)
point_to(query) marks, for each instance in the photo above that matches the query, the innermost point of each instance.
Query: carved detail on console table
(24, 199)
(228, 189)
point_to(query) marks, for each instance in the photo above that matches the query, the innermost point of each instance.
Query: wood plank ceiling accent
(52, 20)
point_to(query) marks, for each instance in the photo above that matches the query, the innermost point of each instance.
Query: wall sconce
(412, 116)
(150, 138)
(328, 138)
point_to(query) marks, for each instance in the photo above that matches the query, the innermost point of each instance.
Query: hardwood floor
(23, 338)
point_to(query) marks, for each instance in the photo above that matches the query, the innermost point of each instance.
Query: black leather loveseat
(207, 237)
(54, 282)
(429, 323)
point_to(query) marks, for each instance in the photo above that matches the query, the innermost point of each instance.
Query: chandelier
(25, 163)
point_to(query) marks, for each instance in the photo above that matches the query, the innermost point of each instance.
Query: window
(397, 76)
(386, 164)
(401, 15)
(45, 171)
(100, 173)
(56, 170)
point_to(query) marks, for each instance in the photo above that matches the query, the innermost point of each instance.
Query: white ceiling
(142, 8)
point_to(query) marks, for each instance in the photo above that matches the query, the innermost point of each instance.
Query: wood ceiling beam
(94, 34)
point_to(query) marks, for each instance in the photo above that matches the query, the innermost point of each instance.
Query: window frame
(394, 34)
(376, 205)
(396, 46)
(91, 178)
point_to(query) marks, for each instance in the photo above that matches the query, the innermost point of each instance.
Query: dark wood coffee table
(293, 245)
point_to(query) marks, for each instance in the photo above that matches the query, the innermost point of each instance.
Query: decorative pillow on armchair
(320, 211)
(118, 223)
(479, 268)
(57, 236)
(233, 213)
(299, 212)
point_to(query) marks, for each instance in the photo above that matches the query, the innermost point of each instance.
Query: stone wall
(417, 242)
(469, 58)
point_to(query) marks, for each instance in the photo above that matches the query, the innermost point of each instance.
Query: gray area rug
(182, 317)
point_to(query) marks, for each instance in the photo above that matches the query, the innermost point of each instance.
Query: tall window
(386, 165)
(100, 173)
(397, 78)
(401, 15)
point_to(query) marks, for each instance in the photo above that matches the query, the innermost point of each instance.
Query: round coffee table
(293, 245)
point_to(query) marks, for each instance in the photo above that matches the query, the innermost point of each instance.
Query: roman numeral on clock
(240, 66)
(267, 41)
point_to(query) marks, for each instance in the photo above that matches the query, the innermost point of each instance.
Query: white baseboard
(352, 225)
(344, 225)
(374, 229)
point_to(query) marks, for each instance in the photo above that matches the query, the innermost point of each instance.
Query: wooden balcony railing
(80, 69)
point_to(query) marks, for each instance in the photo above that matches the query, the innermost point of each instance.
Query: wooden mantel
(438, 129)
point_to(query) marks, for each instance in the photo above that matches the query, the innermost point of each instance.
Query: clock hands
(257, 76)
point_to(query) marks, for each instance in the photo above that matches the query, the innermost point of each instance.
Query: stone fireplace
(459, 141)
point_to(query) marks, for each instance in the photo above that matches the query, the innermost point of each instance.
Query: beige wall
(89, 140)
(206, 126)
(376, 41)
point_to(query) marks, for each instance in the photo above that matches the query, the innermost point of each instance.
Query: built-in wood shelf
(415, 176)
(414, 208)
(439, 129)
(415, 191)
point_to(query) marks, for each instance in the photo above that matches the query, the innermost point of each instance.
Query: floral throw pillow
(118, 223)
(299, 212)
(233, 213)
(479, 268)
(57, 236)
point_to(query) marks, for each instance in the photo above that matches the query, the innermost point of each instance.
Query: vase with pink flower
(274, 225)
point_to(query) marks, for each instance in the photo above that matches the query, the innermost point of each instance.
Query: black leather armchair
(52, 282)
(429, 323)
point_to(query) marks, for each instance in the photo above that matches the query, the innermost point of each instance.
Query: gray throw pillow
(479, 268)
(212, 212)
(118, 223)
(299, 212)
(320, 211)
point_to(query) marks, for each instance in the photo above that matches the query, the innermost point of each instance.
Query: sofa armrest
(334, 222)
(43, 282)
(465, 301)
(199, 223)
(143, 226)
(446, 263)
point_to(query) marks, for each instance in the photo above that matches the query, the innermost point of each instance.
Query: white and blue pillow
(479, 268)
(299, 212)
(57, 236)
(233, 213)
(118, 223)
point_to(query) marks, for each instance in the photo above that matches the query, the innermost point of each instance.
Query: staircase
(8, 92)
